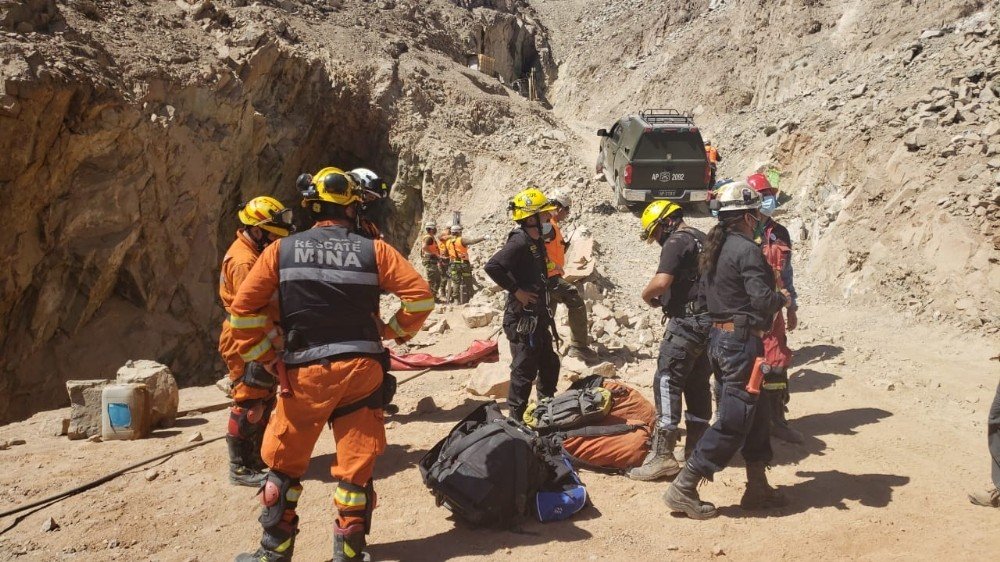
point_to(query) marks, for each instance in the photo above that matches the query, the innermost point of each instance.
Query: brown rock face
(130, 133)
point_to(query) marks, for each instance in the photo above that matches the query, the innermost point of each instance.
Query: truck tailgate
(669, 179)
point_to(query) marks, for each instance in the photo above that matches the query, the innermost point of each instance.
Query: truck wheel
(620, 202)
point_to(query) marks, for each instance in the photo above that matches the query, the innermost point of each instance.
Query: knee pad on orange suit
(247, 419)
(279, 497)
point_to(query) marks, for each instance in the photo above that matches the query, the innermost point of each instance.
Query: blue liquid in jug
(119, 415)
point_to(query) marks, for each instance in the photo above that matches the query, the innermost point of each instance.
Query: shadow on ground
(813, 353)
(843, 422)
(464, 541)
(395, 458)
(829, 488)
(808, 380)
(439, 415)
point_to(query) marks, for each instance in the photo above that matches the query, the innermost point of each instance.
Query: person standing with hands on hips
(520, 268)
(739, 290)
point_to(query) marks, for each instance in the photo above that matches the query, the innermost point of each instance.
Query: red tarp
(481, 351)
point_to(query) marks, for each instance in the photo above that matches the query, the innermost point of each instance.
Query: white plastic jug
(125, 411)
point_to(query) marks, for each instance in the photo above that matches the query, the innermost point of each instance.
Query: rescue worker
(446, 288)
(430, 253)
(742, 302)
(373, 210)
(460, 268)
(328, 280)
(561, 291)
(991, 497)
(264, 220)
(519, 267)
(714, 158)
(777, 246)
(682, 368)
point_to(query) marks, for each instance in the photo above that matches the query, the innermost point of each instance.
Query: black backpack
(488, 469)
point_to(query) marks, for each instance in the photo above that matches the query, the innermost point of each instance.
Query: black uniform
(520, 264)
(682, 368)
(741, 291)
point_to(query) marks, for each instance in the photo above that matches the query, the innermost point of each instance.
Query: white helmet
(370, 181)
(430, 225)
(561, 198)
(737, 196)
(455, 228)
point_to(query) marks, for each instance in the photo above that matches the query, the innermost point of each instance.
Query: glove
(255, 375)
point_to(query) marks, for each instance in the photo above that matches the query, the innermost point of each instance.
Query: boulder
(163, 394)
(602, 312)
(478, 317)
(606, 369)
(85, 407)
(492, 379)
(489, 379)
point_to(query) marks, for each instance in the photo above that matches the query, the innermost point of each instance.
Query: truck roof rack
(665, 117)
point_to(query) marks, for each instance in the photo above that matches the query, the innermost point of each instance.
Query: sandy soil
(893, 413)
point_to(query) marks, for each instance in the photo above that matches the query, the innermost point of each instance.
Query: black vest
(328, 294)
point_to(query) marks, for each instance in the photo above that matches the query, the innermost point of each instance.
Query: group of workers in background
(446, 261)
(303, 339)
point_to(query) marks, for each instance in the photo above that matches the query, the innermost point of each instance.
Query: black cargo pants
(744, 420)
(682, 373)
(533, 357)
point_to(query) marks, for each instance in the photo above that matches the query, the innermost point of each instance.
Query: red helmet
(759, 183)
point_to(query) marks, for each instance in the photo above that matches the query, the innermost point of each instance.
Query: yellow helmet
(267, 213)
(331, 185)
(655, 212)
(528, 203)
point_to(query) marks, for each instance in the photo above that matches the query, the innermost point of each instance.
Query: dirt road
(893, 414)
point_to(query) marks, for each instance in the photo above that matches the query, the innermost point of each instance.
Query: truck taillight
(628, 174)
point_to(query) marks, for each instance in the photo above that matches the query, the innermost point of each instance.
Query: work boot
(264, 555)
(759, 494)
(779, 425)
(349, 544)
(660, 461)
(241, 471)
(581, 352)
(988, 498)
(682, 495)
(275, 546)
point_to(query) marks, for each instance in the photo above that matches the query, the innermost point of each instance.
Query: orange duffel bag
(620, 440)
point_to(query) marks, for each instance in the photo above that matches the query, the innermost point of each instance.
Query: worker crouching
(328, 281)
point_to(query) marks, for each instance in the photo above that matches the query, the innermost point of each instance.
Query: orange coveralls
(320, 388)
(236, 265)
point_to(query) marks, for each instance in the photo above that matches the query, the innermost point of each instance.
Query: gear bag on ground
(615, 442)
(489, 471)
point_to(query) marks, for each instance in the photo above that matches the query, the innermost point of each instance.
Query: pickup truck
(657, 154)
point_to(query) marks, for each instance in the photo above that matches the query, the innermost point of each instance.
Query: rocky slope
(131, 131)
(882, 117)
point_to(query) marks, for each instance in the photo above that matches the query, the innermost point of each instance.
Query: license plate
(699, 195)
(666, 193)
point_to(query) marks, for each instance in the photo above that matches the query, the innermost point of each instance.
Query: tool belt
(737, 330)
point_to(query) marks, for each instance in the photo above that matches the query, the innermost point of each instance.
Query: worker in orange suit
(264, 220)
(713, 156)
(328, 280)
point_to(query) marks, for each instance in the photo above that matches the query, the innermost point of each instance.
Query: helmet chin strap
(262, 241)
